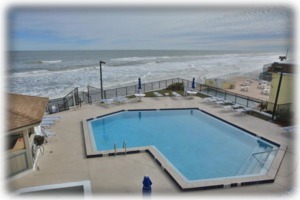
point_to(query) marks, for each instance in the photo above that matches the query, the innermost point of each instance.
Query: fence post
(116, 92)
(247, 102)
(235, 97)
(88, 93)
(225, 95)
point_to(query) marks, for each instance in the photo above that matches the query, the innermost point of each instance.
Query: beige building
(24, 114)
(286, 93)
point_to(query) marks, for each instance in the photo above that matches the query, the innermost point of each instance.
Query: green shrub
(176, 86)
(285, 116)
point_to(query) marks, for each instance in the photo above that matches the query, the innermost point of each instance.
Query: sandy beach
(252, 91)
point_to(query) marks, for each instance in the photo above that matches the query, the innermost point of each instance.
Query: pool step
(246, 164)
(253, 165)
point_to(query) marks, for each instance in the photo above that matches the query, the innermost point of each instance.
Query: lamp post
(100, 63)
(277, 95)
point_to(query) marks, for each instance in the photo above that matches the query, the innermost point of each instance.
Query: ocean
(54, 74)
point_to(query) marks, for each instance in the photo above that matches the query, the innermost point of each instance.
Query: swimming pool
(195, 144)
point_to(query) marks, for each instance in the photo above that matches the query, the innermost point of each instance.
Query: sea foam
(119, 72)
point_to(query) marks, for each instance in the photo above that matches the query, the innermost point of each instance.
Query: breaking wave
(61, 77)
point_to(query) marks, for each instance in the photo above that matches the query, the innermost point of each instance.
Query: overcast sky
(199, 28)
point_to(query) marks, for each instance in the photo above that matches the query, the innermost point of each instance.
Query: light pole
(277, 95)
(100, 63)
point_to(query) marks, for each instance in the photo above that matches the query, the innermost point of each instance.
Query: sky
(257, 28)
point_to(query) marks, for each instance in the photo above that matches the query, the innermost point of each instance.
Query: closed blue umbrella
(193, 83)
(140, 86)
(147, 185)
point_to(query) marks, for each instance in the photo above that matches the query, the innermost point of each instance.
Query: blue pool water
(198, 145)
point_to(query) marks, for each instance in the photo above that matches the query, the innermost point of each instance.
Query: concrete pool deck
(64, 158)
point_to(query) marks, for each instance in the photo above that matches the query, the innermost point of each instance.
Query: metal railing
(234, 97)
(64, 103)
(93, 94)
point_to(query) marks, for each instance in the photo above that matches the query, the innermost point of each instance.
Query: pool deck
(64, 159)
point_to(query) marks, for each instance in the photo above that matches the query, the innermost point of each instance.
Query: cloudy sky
(199, 28)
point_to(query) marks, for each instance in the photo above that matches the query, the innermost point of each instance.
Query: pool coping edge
(182, 184)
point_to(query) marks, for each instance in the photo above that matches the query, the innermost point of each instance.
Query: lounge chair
(228, 108)
(228, 102)
(49, 120)
(219, 103)
(248, 110)
(212, 99)
(175, 94)
(240, 110)
(107, 101)
(121, 99)
(290, 129)
(157, 94)
(245, 110)
(207, 99)
(46, 123)
(236, 106)
(52, 117)
(47, 132)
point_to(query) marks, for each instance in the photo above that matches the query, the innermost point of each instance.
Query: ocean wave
(54, 71)
(57, 81)
(50, 61)
(133, 61)
(29, 73)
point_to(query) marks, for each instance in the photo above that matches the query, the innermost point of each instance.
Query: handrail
(254, 154)
(264, 152)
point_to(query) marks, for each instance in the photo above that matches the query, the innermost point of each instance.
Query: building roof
(24, 110)
(284, 67)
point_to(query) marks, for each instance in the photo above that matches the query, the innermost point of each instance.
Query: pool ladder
(124, 147)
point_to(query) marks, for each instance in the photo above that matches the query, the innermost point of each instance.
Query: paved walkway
(64, 157)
